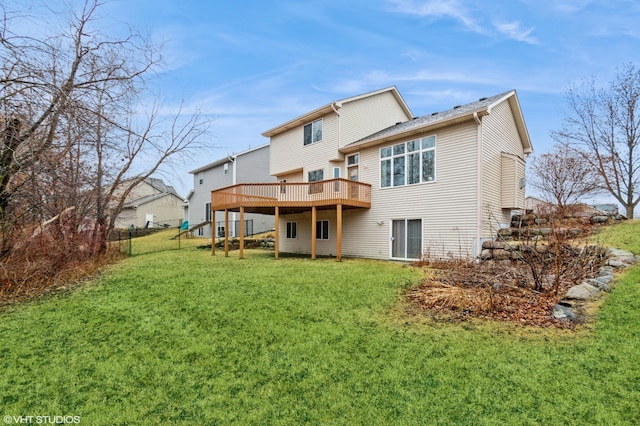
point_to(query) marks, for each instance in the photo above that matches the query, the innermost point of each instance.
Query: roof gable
(333, 107)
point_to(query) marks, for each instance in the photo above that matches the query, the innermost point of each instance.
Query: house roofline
(433, 125)
(227, 159)
(405, 132)
(333, 107)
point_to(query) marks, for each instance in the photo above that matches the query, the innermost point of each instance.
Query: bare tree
(606, 124)
(563, 176)
(71, 129)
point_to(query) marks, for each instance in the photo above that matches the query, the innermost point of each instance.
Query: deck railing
(303, 194)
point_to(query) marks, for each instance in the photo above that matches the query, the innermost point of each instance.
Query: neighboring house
(251, 165)
(362, 177)
(151, 204)
(538, 206)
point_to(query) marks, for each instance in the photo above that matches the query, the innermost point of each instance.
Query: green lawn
(188, 338)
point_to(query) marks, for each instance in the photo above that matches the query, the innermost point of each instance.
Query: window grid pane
(414, 238)
(413, 169)
(398, 171)
(385, 173)
(317, 130)
(307, 134)
(428, 166)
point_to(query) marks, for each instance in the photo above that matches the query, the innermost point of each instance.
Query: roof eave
(298, 121)
(433, 125)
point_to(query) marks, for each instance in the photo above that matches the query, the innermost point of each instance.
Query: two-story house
(362, 177)
(251, 165)
(150, 204)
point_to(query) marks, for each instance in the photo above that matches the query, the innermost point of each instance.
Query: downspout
(478, 248)
(335, 107)
(232, 159)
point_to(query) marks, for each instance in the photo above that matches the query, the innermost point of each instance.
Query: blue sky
(252, 65)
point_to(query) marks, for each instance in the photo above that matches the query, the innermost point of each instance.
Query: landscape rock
(615, 252)
(599, 283)
(561, 311)
(599, 219)
(583, 291)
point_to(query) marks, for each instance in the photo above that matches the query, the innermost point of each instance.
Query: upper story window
(408, 163)
(200, 178)
(313, 132)
(225, 168)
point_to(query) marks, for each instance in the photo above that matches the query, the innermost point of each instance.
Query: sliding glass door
(406, 239)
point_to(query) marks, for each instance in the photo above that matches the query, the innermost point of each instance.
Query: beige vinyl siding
(447, 206)
(305, 230)
(364, 117)
(499, 135)
(288, 152)
(291, 177)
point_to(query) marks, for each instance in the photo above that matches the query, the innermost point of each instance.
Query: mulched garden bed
(458, 290)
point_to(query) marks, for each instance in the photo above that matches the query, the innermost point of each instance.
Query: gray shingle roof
(425, 120)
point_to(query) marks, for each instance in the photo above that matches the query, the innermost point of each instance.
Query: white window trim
(357, 162)
(390, 221)
(311, 123)
(315, 231)
(406, 153)
(286, 230)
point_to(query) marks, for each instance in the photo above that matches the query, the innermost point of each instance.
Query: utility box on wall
(513, 181)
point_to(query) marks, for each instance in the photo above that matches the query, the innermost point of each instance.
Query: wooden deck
(292, 197)
(288, 198)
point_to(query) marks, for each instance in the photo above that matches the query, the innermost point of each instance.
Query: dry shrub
(40, 261)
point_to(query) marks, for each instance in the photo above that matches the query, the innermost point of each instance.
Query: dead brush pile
(522, 292)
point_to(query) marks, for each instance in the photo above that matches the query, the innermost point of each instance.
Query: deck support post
(241, 232)
(277, 230)
(213, 233)
(313, 232)
(339, 231)
(226, 233)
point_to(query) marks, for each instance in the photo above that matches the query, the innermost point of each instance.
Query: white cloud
(514, 31)
(452, 9)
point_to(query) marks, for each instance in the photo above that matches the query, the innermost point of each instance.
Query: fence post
(130, 238)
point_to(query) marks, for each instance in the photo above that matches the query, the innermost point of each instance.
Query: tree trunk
(629, 211)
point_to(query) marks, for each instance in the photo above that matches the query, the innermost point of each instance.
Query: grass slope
(184, 337)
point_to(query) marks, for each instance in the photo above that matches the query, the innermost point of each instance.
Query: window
(353, 160)
(315, 176)
(312, 132)
(220, 231)
(226, 168)
(200, 178)
(322, 230)
(408, 163)
(336, 175)
(292, 229)
(207, 212)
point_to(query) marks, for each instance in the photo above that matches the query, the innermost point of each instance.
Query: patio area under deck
(288, 198)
